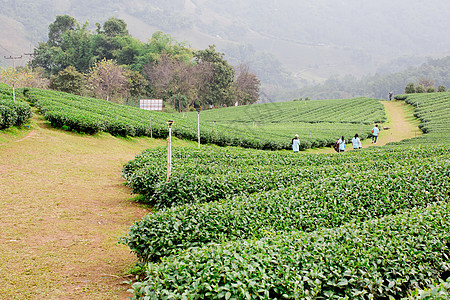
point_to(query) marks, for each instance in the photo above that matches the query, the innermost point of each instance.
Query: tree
(68, 80)
(170, 77)
(441, 89)
(115, 27)
(431, 89)
(420, 88)
(426, 83)
(218, 90)
(57, 29)
(107, 80)
(246, 85)
(137, 83)
(410, 88)
(23, 77)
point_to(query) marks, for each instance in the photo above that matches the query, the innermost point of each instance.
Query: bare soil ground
(64, 206)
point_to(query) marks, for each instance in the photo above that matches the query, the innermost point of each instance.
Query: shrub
(410, 89)
(420, 88)
(441, 89)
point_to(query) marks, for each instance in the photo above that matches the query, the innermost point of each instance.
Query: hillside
(284, 43)
(65, 206)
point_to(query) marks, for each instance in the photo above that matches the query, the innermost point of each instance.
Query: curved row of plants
(433, 110)
(94, 115)
(293, 198)
(12, 113)
(212, 174)
(381, 258)
(285, 242)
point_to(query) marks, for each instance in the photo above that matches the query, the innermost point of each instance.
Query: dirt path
(401, 122)
(63, 208)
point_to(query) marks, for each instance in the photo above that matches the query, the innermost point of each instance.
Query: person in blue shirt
(356, 142)
(295, 144)
(341, 144)
(375, 132)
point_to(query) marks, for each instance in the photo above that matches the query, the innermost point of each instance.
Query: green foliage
(58, 28)
(252, 126)
(431, 89)
(433, 111)
(368, 224)
(219, 88)
(287, 192)
(441, 89)
(68, 80)
(435, 291)
(410, 88)
(12, 113)
(420, 88)
(376, 259)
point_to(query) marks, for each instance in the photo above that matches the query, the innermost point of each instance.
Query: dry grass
(63, 208)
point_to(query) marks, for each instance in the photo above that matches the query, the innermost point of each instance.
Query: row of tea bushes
(377, 259)
(214, 173)
(90, 115)
(316, 196)
(12, 113)
(433, 110)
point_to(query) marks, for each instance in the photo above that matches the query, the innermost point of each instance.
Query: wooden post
(198, 127)
(169, 150)
(151, 129)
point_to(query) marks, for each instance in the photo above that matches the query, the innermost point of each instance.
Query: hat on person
(296, 135)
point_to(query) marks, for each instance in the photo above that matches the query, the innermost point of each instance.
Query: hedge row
(215, 173)
(13, 113)
(323, 197)
(377, 259)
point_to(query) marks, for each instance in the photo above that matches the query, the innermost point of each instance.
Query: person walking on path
(390, 95)
(341, 144)
(295, 144)
(356, 142)
(375, 132)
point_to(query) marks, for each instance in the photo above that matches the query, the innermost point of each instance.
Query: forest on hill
(110, 64)
(287, 45)
(433, 74)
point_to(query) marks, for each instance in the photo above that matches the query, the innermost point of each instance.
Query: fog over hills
(286, 43)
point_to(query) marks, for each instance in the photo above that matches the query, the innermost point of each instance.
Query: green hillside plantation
(262, 126)
(243, 224)
(246, 223)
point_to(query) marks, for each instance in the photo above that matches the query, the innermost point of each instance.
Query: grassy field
(64, 206)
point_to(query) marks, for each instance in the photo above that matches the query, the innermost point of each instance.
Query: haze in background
(287, 44)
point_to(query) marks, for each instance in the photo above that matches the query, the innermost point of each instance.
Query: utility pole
(14, 68)
(13, 58)
(29, 58)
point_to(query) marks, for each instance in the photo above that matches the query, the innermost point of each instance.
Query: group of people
(340, 144)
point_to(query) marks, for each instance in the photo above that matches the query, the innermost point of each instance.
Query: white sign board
(151, 104)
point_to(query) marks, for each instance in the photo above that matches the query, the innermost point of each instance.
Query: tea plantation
(240, 223)
(269, 126)
(12, 113)
(246, 224)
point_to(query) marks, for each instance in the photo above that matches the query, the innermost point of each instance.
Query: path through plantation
(63, 207)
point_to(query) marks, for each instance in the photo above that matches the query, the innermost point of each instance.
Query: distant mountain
(286, 43)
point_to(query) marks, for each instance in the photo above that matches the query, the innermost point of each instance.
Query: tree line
(434, 75)
(109, 63)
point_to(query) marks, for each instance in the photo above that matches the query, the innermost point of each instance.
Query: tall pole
(14, 68)
(169, 150)
(198, 127)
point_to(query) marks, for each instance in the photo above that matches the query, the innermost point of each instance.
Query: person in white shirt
(375, 132)
(341, 144)
(356, 142)
(295, 144)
